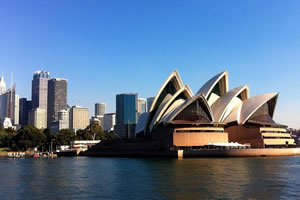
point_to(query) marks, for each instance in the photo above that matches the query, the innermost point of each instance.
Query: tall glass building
(39, 93)
(57, 98)
(126, 108)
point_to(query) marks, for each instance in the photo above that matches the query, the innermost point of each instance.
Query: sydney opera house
(214, 116)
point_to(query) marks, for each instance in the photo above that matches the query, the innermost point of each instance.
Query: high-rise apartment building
(24, 108)
(57, 98)
(100, 109)
(126, 108)
(79, 118)
(39, 93)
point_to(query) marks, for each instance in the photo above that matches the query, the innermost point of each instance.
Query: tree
(28, 137)
(64, 137)
(110, 135)
(5, 138)
(92, 131)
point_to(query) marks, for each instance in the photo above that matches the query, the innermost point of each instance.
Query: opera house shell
(213, 115)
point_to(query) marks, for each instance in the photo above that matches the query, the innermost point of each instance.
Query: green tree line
(29, 137)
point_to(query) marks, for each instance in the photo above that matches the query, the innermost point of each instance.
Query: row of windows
(199, 131)
(276, 137)
(274, 132)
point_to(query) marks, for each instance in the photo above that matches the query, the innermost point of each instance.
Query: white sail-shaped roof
(171, 85)
(173, 80)
(174, 106)
(218, 82)
(188, 102)
(244, 111)
(225, 104)
(184, 93)
(253, 104)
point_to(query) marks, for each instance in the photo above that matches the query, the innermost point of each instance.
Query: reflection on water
(129, 178)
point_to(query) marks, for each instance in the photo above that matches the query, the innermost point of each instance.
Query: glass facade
(126, 109)
(195, 112)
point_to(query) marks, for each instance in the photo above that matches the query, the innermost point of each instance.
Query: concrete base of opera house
(266, 152)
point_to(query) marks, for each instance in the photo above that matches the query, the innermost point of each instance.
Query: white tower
(2, 85)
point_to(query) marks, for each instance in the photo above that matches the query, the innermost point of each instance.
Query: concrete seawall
(171, 154)
(268, 152)
(198, 153)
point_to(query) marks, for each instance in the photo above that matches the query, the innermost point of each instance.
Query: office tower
(63, 118)
(99, 109)
(126, 108)
(109, 120)
(3, 105)
(63, 122)
(39, 93)
(8, 105)
(11, 96)
(24, 107)
(57, 98)
(37, 118)
(2, 85)
(16, 110)
(141, 106)
(79, 118)
(149, 102)
(125, 130)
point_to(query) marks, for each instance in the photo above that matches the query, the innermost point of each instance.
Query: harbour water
(136, 178)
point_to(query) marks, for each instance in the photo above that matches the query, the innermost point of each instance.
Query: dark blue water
(129, 178)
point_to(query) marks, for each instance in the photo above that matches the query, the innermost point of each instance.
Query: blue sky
(108, 47)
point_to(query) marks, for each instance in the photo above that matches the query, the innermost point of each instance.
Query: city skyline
(83, 44)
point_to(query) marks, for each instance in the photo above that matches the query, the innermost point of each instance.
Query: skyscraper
(24, 108)
(16, 110)
(141, 106)
(63, 122)
(126, 108)
(39, 93)
(109, 120)
(100, 109)
(3, 99)
(79, 118)
(37, 118)
(8, 103)
(2, 85)
(57, 98)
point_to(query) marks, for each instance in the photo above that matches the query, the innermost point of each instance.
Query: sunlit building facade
(213, 115)
(126, 108)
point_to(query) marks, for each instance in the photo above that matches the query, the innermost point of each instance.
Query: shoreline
(266, 152)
